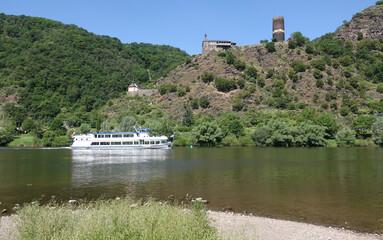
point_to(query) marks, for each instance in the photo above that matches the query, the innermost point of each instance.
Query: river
(329, 186)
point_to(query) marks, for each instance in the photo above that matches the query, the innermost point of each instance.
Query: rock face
(369, 22)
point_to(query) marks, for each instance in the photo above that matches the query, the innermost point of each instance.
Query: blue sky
(182, 23)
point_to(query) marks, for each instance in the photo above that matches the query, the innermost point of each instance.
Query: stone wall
(142, 92)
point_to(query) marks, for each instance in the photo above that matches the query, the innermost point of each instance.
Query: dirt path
(236, 226)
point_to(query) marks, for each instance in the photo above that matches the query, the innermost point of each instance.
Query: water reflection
(106, 167)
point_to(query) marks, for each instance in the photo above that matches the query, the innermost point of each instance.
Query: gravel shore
(237, 226)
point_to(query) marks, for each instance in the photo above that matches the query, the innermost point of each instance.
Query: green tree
(127, 124)
(230, 123)
(225, 85)
(377, 129)
(230, 58)
(328, 121)
(207, 133)
(6, 133)
(310, 135)
(29, 125)
(84, 128)
(48, 139)
(104, 127)
(298, 66)
(188, 118)
(275, 133)
(362, 125)
(345, 136)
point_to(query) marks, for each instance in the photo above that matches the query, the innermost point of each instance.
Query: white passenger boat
(121, 140)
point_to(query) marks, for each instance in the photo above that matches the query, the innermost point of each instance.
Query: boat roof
(114, 133)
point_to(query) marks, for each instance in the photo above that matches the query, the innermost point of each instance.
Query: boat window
(117, 136)
(129, 135)
(104, 143)
(116, 143)
(95, 143)
(151, 142)
(157, 142)
(136, 143)
(107, 136)
(100, 136)
(163, 141)
(95, 136)
(146, 142)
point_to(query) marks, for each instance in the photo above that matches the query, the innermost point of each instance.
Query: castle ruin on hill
(220, 45)
(216, 45)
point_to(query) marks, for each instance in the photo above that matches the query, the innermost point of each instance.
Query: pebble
(117, 198)
(4, 210)
(133, 205)
(72, 201)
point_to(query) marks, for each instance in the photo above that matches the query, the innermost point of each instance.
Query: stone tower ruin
(279, 29)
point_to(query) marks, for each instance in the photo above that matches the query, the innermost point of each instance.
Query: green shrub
(379, 3)
(298, 66)
(377, 129)
(251, 72)
(221, 54)
(261, 82)
(224, 85)
(204, 103)
(360, 36)
(318, 75)
(319, 64)
(207, 133)
(230, 58)
(240, 65)
(167, 88)
(230, 140)
(194, 104)
(345, 136)
(187, 89)
(331, 96)
(181, 93)
(379, 88)
(207, 77)
(270, 47)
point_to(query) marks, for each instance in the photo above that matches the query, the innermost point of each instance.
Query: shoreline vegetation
(129, 219)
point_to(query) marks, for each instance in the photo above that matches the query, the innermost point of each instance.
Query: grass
(24, 140)
(114, 219)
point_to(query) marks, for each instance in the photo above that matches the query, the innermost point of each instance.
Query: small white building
(133, 87)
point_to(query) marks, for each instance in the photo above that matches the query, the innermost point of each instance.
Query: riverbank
(107, 219)
(237, 226)
(124, 218)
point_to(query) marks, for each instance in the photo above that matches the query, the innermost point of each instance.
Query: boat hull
(156, 146)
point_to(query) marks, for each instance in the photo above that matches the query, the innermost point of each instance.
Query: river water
(329, 186)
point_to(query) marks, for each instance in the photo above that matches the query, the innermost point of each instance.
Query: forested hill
(48, 67)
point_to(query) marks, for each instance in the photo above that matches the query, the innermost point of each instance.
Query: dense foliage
(56, 68)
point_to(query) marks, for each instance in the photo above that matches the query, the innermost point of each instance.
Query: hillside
(329, 73)
(48, 68)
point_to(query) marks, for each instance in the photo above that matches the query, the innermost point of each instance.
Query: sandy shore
(237, 226)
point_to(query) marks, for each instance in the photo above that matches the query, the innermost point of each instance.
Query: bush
(61, 141)
(379, 3)
(240, 65)
(251, 72)
(181, 93)
(317, 74)
(204, 103)
(319, 64)
(345, 136)
(360, 36)
(167, 88)
(84, 128)
(224, 85)
(241, 83)
(379, 88)
(275, 133)
(377, 129)
(270, 47)
(261, 82)
(207, 77)
(230, 58)
(298, 66)
(307, 134)
(207, 133)
(6, 134)
(362, 125)
(194, 104)
(344, 111)
(230, 140)
(331, 96)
